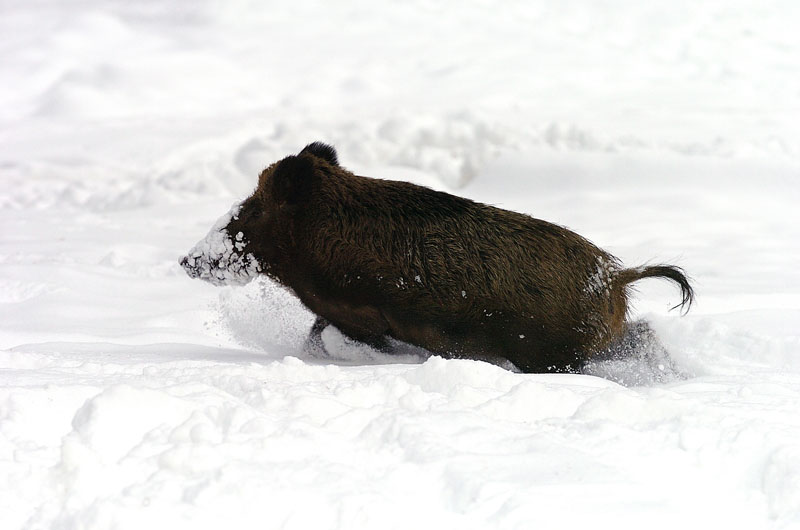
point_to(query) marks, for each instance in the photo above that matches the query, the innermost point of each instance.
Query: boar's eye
(249, 211)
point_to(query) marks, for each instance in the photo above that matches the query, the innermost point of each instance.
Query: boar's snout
(221, 259)
(189, 266)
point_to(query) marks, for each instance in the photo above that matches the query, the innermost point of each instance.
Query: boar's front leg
(314, 345)
(360, 323)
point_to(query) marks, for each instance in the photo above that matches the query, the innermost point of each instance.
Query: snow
(134, 396)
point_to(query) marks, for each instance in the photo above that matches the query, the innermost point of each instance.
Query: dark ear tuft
(323, 151)
(293, 180)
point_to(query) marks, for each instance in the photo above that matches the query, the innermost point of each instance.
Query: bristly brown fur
(379, 259)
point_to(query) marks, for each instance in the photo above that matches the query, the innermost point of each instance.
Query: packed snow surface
(132, 396)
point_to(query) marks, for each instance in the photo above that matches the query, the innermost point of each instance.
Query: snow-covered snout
(222, 258)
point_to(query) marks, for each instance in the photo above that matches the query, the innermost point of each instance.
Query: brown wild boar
(384, 260)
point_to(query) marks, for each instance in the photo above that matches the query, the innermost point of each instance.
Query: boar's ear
(293, 179)
(323, 151)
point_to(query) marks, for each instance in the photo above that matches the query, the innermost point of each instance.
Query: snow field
(239, 441)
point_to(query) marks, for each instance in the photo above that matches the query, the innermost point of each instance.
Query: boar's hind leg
(314, 345)
(639, 344)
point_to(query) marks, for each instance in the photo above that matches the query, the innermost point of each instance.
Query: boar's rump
(382, 259)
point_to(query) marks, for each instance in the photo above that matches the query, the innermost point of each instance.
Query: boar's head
(256, 235)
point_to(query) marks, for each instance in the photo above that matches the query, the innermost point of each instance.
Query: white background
(133, 397)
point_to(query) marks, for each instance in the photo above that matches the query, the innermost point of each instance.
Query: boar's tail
(670, 272)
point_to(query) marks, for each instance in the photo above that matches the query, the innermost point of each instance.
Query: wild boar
(381, 259)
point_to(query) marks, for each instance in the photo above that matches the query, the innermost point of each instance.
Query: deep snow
(132, 396)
